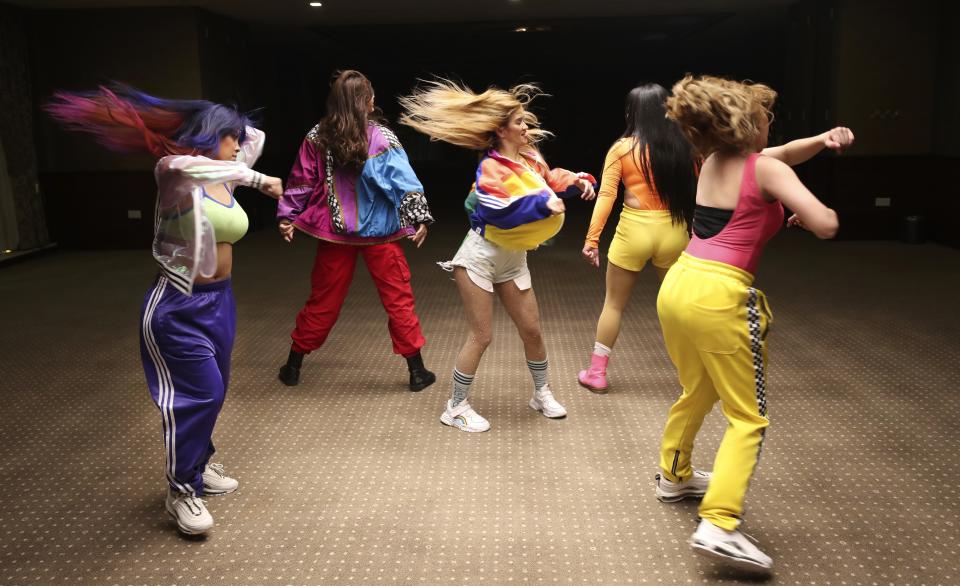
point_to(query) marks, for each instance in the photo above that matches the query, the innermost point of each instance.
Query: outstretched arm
(178, 175)
(607, 196)
(779, 181)
(564, 183)
(803, 149)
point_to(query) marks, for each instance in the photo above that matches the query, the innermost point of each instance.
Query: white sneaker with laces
(191, 514)
(733, 548)
(216, 481)
(464, 418)
(544, 402)
(694, 487)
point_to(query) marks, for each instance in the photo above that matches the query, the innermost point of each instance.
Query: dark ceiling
(335, 13)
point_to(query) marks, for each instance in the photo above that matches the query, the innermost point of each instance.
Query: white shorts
(487, 263)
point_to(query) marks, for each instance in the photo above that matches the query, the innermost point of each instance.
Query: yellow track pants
(714, 326)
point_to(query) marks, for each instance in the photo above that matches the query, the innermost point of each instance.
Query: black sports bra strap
(708, 221)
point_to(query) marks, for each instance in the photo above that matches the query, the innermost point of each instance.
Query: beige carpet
(351, 479)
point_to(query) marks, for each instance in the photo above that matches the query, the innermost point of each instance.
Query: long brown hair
(343, 129)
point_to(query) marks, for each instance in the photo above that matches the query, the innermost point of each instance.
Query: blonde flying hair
(718, 114)
(451, 112)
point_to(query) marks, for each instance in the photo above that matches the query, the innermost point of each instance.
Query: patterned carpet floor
(351, 479)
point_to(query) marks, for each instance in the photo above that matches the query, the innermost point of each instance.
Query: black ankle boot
(420, 377)
(290, 372)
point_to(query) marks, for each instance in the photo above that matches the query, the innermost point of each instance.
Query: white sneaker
(730, 547)
(464, 418)
(544, 402)
(191, 514)
(216, 482)
(671, 492)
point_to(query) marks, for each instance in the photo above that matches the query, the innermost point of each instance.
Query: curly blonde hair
(451, 112)
(718, 114)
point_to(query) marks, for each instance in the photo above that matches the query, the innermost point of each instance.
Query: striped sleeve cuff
(256, 180)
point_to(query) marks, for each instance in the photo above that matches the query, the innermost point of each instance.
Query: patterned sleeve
(399, 180)
(305, 176)
(414, 210)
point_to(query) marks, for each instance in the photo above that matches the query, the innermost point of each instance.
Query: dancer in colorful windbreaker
(352, 188)
(514, 207)
(188, 321)
(714, 321)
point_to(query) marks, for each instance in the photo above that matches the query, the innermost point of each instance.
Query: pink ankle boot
(595, 378)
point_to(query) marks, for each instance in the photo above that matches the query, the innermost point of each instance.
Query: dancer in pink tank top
(753, 222)
(714, 322)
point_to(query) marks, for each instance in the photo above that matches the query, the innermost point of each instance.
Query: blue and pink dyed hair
(125, 119)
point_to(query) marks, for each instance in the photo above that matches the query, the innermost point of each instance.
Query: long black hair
(664, 155)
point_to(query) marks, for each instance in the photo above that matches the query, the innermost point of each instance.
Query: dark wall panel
(97, 198)
(17, 128)
(587, 67)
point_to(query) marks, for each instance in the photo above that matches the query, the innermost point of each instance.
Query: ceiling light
(520, 29)
(316, 4)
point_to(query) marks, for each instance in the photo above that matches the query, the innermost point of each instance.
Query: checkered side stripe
(756, 349)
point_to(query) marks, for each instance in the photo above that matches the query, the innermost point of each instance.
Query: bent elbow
(829, 228)
(827, 233)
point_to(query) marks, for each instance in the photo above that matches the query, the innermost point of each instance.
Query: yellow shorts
(644, 235)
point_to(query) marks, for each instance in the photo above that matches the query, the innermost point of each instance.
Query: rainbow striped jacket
(508, 202)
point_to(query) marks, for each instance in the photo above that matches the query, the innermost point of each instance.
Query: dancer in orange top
(655, 215)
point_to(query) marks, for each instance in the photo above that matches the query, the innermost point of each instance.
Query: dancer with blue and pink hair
(188, 320)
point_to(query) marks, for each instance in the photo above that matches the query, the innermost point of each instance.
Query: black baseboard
(11, 258)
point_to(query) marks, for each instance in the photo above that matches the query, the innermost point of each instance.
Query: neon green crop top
(229, 222)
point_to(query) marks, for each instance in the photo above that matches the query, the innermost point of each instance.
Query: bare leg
(620, 283)
(522, 308)
(661, 273)
(478, 307)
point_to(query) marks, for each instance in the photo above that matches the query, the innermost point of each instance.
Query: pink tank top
(752, 225)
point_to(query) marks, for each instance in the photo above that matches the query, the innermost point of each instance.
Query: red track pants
(332, 274)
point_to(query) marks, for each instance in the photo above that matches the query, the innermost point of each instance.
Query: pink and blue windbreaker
(382, 203)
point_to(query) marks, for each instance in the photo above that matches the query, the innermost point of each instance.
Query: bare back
(719, 182)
